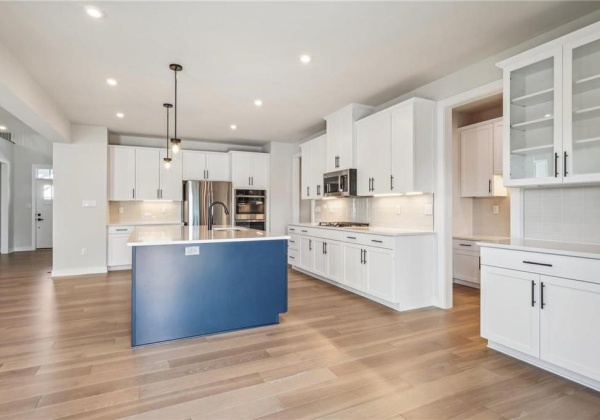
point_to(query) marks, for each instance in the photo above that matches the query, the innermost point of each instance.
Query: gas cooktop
(343, 224)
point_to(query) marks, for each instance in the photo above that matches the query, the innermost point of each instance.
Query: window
(48, 191)
(44, 173)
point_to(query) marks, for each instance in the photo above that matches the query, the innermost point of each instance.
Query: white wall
(29, 150)
(21, 96)
(280, 189)
(6, 196)
(80, 173)
(124, 140)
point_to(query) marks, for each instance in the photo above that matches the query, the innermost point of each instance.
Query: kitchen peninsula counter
(189, 281)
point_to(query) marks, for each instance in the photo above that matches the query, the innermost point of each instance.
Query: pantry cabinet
(313, 167)
(480, 145)
(202, 166)
(552, 109)
(250, 170)
(395, 149)
(341, 136)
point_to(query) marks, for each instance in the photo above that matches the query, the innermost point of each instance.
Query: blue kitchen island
(190, 281)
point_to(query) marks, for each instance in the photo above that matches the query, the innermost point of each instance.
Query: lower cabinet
(395, 271)
(466, 262)
(119, 254)
(550, 319)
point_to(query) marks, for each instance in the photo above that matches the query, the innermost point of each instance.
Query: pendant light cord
(175, 104)
(167, 132)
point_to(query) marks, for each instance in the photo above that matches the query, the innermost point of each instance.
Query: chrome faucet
(210, 212)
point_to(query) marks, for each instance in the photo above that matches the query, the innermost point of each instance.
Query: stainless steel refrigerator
(198, 195)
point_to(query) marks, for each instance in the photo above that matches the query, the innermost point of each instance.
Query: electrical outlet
(428, 210)
(83, 251)
(192, 250)
(121, 210)
(163, 210)
(398, 210)
(88, 203)
(318, 209)
(495, 210)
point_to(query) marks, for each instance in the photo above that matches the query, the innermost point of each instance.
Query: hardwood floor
(64, 352)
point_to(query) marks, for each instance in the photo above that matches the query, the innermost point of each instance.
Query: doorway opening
(43, 206)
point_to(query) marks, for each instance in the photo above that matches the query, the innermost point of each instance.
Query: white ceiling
(233, 53)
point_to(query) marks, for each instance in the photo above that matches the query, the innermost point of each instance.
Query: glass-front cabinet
(534, 139)
(581, 141)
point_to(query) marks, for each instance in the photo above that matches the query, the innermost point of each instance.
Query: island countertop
(178, 235)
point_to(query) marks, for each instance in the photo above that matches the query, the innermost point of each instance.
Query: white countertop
(374, 230)
(145, 223)
(481, 238)
(547, 247)
(183, 235)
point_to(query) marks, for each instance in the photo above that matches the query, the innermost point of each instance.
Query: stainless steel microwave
(340, 183)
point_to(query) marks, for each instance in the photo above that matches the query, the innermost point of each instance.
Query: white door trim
(5, 201)
(296, 188)
(34, 169)
(443, 192)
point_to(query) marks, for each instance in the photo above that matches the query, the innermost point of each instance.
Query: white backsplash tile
(144, 211)
(570, 214)
(378, 211)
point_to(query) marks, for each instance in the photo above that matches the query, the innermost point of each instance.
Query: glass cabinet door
(532, 104)
(581, 154)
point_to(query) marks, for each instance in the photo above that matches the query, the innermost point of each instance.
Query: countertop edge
(369, 232)
(541, 250)
(208, 241)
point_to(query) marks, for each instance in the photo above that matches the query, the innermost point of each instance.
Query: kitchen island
(189, 281)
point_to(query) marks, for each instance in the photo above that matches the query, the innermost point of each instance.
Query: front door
(43, 214)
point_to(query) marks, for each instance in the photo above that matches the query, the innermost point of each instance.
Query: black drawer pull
(121, 230)
(351, 237)
(293, 242)
(465, 244)
(305, 231)
(292, 229)
(375, 240)
(537, 263)
(291, 258)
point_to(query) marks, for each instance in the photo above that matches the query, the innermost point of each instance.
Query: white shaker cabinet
(306, 252)
(354, 268)
(250, 170)
(479, 144)
(121, 173)
(373, 157)
(320, 257)
(147, 169)
(379, 266)
(119, 254)
(334, 253)
(341, 138)
(313, 167)
(201, 166)
(171, 181)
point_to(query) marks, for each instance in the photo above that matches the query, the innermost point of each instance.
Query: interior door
(568, 331)
(510, 309)
(43, 208)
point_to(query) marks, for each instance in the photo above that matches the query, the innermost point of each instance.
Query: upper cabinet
(313, 167)
(480, 160)
(552, 130)
(341, 136)
(395, 149)
(138, 173)
(204, 166)
(250, 170)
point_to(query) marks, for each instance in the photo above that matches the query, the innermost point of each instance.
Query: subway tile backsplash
(562, 214)
(378, 211)
(144, 211)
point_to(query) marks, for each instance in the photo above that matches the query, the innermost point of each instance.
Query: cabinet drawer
(293, 241)
(293, 256)
(121, 230)
(585, 269)
(370, 240)
(465, 245)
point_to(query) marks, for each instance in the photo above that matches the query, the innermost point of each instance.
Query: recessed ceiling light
(547, 115)
(305, 58)
(94, 12)
(120, 115)
(112, 82)
(233, 127)
(257, 102)
(2, 127)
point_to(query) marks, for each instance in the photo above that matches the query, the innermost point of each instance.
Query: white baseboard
(119, 267)
(23, 249)
(466, 283)
(79, 271)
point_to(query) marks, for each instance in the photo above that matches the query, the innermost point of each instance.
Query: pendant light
(175, 141)
(167, 160)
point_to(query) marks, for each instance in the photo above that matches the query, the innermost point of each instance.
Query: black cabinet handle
(305, 231)
(479, 263)
(490, 186)
(361, 256)
(537, 263)
(532, 293)
(555, 165)
(542, 295)
(464, 244)
(391, 182)
(292, 242)
(308, 191)
(310, 244)
(365, 259)
(292, 229)
(377, 241)
(372, 184)
(351, 237)
(565, 164)
(121, 230)
(293, 258)
(133, 193)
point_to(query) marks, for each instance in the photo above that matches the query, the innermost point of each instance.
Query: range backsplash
(378, 211)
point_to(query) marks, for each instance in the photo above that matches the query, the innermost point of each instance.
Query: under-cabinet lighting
(157, 201)
(414, 193)
(388, 195)
(3, 128)
(328, 198)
